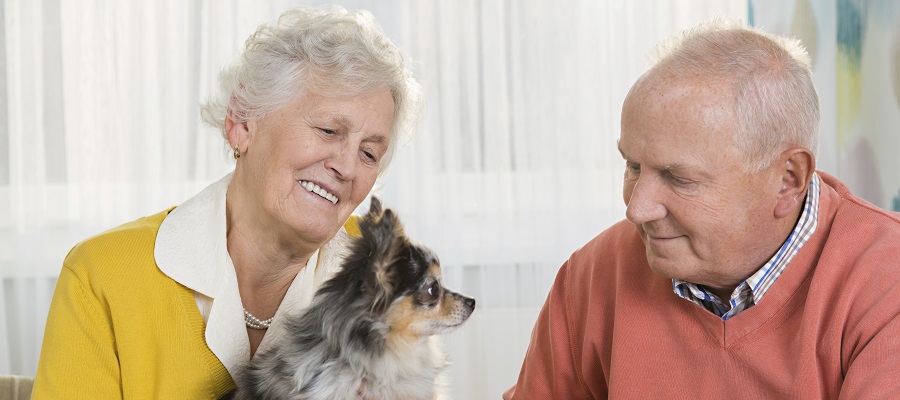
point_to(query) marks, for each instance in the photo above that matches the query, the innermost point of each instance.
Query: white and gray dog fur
(368, 333)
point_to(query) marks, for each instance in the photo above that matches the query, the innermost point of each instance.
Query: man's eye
(680, 182)
(632, 170)
(327, 131)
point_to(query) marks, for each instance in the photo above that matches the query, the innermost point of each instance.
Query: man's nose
(643, 203)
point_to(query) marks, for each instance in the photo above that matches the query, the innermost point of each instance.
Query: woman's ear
(237, 132)
(796, 167)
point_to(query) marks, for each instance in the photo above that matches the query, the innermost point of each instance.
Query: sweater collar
(191, 247)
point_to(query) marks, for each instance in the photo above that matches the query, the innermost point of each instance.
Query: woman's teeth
(312, 187)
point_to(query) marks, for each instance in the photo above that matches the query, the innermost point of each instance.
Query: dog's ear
(388, 245)
(375, 208)
(381, 224)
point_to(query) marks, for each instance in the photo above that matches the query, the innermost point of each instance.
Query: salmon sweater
(829, 327)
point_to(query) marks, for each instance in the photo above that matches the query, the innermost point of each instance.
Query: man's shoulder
(860, 258)
(618, 237)
(861, 226)
(852, 211)
(617, 247)
(855, 230)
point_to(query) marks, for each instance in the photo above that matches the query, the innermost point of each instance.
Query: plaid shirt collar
(751, 291)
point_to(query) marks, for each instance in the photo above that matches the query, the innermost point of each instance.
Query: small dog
(368, 333)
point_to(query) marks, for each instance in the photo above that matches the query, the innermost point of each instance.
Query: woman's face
(310, 164)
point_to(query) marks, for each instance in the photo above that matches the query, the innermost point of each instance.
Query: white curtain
(514, 167)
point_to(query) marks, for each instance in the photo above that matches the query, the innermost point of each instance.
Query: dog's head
(401, 280)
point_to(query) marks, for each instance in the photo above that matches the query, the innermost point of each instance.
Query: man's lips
(652, 237)
(661, 238)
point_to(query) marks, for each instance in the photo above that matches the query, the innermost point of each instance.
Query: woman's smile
(319, 190)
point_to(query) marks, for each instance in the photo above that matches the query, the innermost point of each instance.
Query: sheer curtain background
(514, 167)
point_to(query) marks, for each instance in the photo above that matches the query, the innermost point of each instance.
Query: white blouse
(191, 249)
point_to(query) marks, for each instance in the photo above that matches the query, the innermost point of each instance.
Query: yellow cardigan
(120, 328)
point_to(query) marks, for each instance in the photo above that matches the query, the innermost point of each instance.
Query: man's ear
(796, 168)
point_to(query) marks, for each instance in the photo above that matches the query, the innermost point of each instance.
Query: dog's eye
(433, 289)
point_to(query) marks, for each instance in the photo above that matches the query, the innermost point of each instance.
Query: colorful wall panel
(855, 48)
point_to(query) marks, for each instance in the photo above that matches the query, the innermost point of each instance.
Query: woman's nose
(344, 162)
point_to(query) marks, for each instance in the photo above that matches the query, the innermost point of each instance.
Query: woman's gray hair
(776, 101)
(328, 51)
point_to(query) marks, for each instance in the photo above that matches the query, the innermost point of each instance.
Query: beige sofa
(14, 387)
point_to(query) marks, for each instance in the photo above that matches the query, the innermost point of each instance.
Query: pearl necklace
(256, 323)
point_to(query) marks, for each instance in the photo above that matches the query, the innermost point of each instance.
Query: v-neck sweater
(828, 328)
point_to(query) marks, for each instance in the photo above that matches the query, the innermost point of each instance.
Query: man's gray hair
(776, 101)
(328, 51)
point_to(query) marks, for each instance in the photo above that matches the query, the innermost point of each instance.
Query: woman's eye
(370, 154)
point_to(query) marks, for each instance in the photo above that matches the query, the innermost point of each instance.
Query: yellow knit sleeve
(119, 327)
(352, 226)
(78, 346)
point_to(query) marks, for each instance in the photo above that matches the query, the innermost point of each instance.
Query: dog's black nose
(470, 303)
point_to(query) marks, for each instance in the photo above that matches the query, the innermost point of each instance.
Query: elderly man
(741, 271)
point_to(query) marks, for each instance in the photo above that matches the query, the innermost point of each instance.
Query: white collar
(191, 249)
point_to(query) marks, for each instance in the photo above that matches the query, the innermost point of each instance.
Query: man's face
(701, 216)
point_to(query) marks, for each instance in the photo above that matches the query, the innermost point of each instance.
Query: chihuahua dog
(368, 333)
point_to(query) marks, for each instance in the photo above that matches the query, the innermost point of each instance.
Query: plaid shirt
(750, 291)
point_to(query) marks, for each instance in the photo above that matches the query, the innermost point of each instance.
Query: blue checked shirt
(750, 291)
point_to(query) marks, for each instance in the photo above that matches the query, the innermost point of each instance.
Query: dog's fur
(368, 332)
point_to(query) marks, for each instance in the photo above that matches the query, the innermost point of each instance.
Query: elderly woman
(169, 306)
